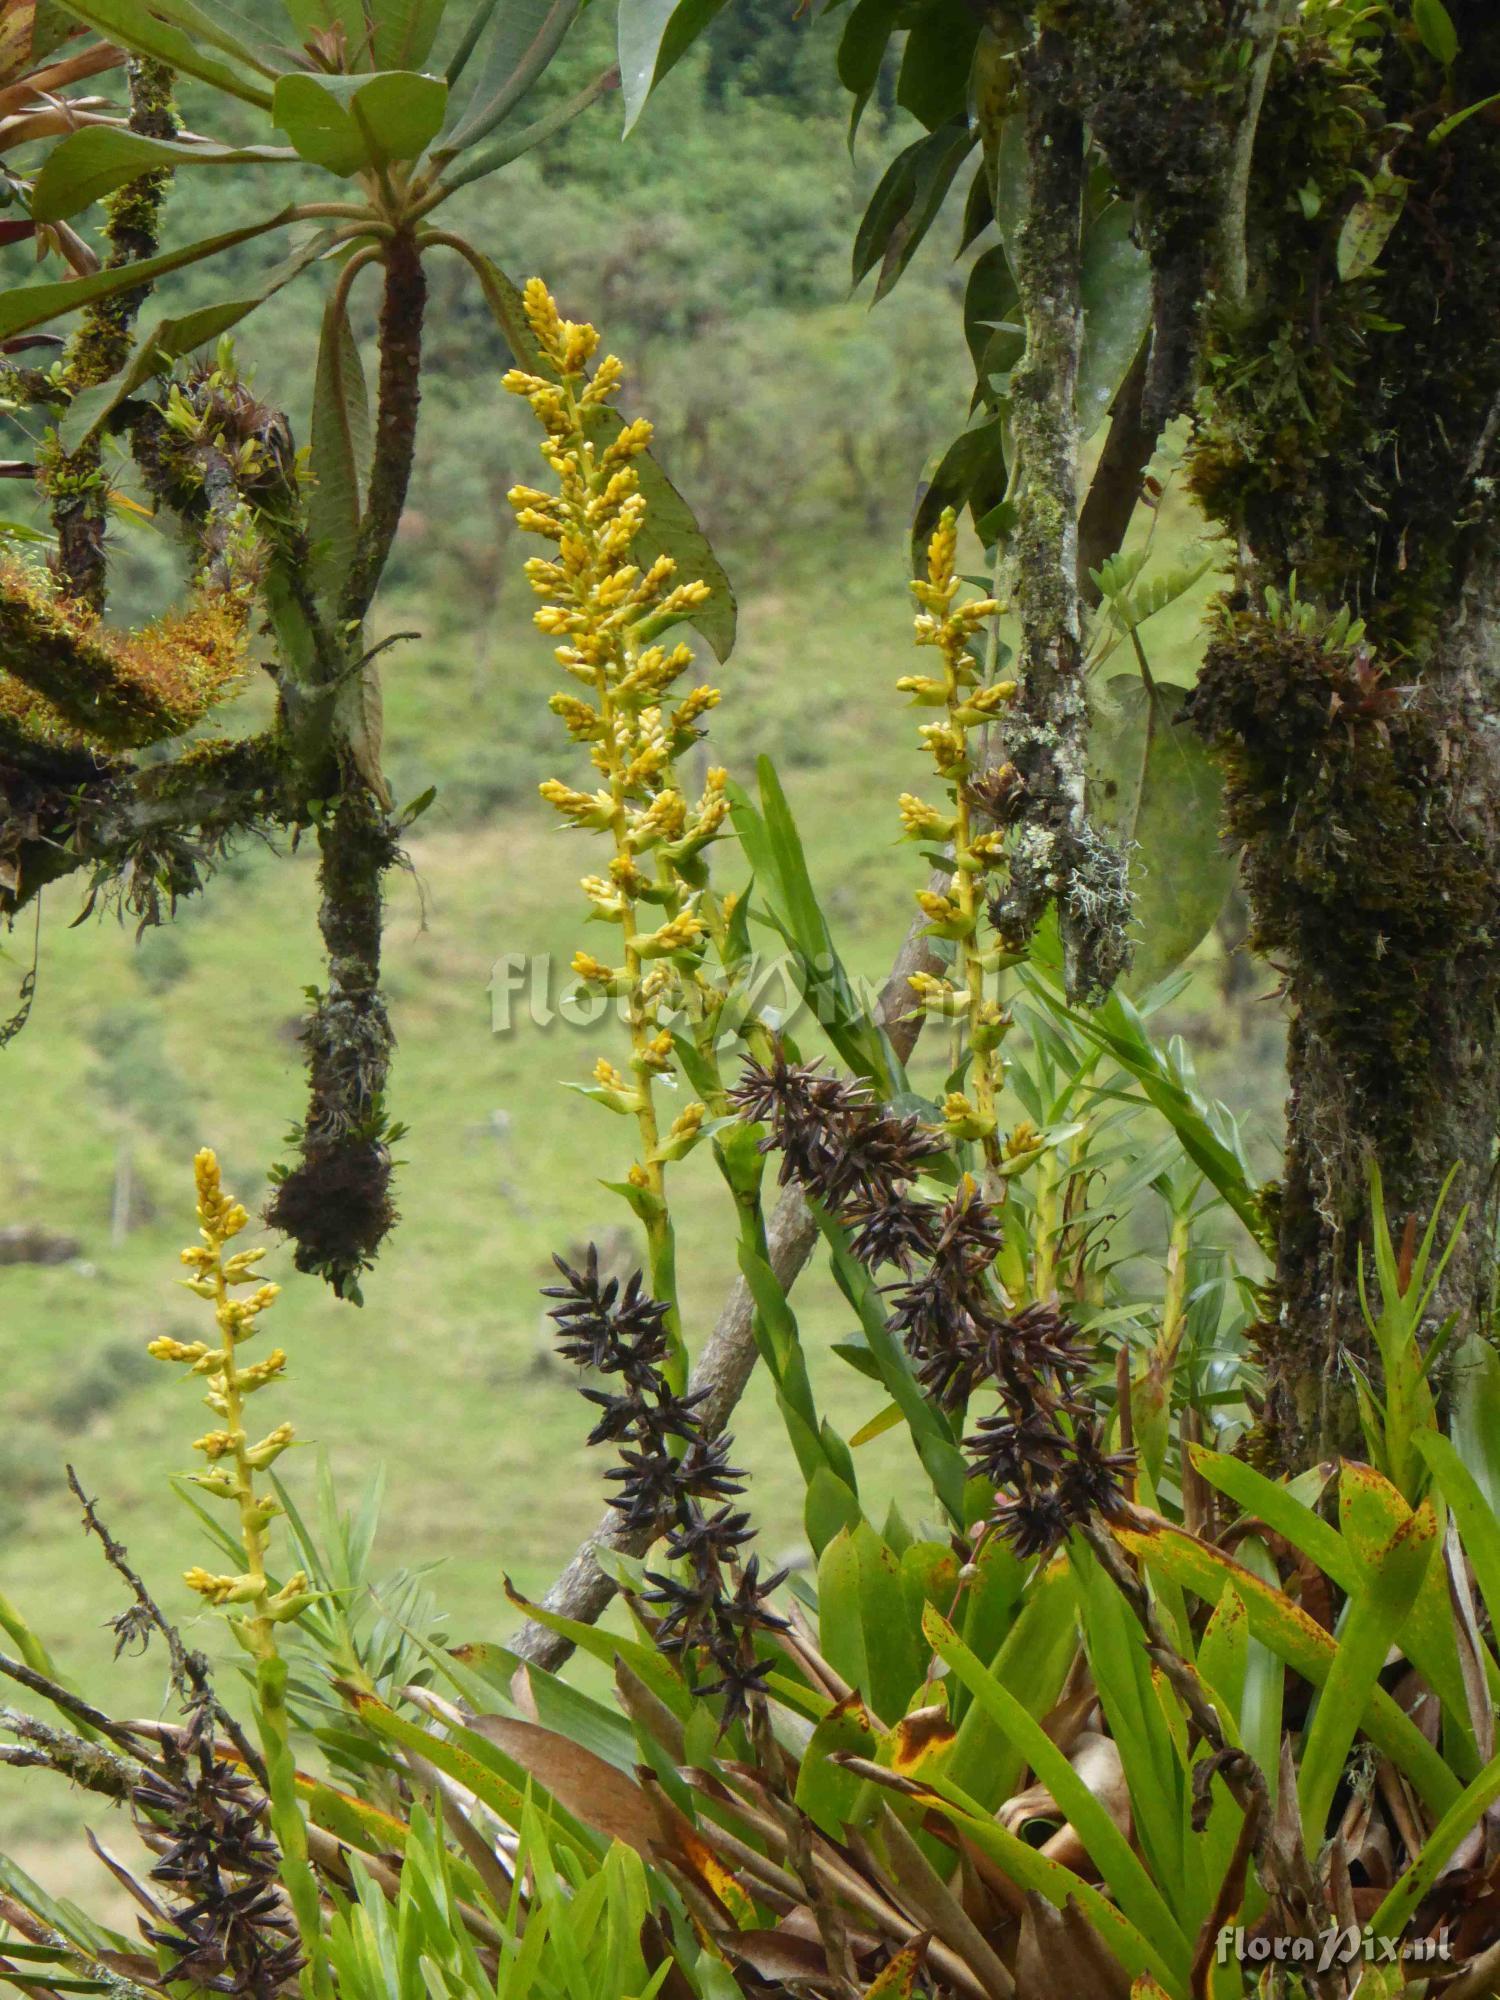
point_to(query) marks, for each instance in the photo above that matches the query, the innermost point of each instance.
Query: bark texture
(1347, 437)
(1059, 854)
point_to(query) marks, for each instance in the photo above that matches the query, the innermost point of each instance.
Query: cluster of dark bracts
(231, 1931)
(671, 1479)
(1041, 1449)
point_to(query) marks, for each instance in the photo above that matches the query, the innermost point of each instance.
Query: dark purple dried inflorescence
(833, 1136)
(671, 1479)
(1040, 1450)
(233, 1931)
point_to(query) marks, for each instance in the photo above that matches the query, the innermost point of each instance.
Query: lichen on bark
(1058, 855)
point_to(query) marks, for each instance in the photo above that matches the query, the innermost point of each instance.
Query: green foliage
(1096, 1688)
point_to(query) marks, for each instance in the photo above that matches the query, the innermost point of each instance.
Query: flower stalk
(228, 1280)
(969, 706)
(608, 610)
(233, 1461)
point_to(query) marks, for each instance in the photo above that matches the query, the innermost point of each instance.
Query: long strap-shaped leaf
(1375, 1615)
(35, 305)
(1295, 1638)
(1111, 1853)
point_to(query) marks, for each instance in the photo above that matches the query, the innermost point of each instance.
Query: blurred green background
(712, 249)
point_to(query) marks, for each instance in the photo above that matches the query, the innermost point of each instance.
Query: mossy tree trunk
(1348, 436)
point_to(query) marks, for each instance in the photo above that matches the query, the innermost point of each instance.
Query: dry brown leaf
(1060, 1952)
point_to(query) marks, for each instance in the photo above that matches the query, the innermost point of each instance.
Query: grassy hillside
(798, 423)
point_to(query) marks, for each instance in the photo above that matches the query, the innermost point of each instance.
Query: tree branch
(1059, 856)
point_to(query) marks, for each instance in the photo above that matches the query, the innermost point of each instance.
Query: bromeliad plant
(1108, 1709)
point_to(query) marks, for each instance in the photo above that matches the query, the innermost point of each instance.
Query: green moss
(336, 1202)
(1155, 81)
(1342, 419)
(1331, 768)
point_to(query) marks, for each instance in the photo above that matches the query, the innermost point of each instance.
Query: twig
(63, 1698)
(72, 1757)
(1262, 28)
(191, 1676)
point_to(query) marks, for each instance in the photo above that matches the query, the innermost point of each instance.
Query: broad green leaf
(340, 451)
(970, 473)
(906, 201)
(991, 304)
(1271, 1502)
(27, 306)
(1155, 786)
(828, 1507)
(841, 1628)
(654, 35)
(1264, 1693)
(862, 46)
(1155, 1766)
(1369, 223)
(1116, 295)
(92, 162)
(516, 41)
(1108, 1849)
(1224, 1656)
(934, 76)
(149, 30)
(893, 1640)
(1475, 1422)
(347, 123)
(1435, 25)
(1031, 1661)
(826, 1792)
(1478, 1526)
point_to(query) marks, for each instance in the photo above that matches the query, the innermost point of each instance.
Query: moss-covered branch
(336, 1202)
(1347, 441)
(75, 482)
